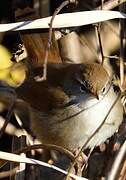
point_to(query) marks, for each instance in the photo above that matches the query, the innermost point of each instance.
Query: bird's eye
(82, 84)
(103, 90)
(82, 88)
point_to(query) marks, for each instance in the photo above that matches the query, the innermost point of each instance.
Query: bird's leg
(87, 158)
(82, 161)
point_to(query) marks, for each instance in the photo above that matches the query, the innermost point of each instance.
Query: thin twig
(8, 117)
(122, 175)
(111, 4)
(48, 147)
(115, 167)
(60, 149)
(98, 35)
(121, 72)
(122, 44)
(112, 57)
(99, 41)
(8, 173)
(44, 73)
(102, 4)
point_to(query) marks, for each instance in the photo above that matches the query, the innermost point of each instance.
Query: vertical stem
(98, 36)
(44, 73)
(122, 45)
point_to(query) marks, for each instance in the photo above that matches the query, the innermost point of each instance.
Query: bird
(68, 107)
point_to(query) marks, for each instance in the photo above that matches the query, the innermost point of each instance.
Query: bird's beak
(96, 96)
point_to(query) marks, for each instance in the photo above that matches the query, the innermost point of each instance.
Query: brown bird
(71, 104)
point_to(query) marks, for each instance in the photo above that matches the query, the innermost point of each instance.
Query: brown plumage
(64, 109)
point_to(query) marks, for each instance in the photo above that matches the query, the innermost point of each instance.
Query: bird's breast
(71, 126)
